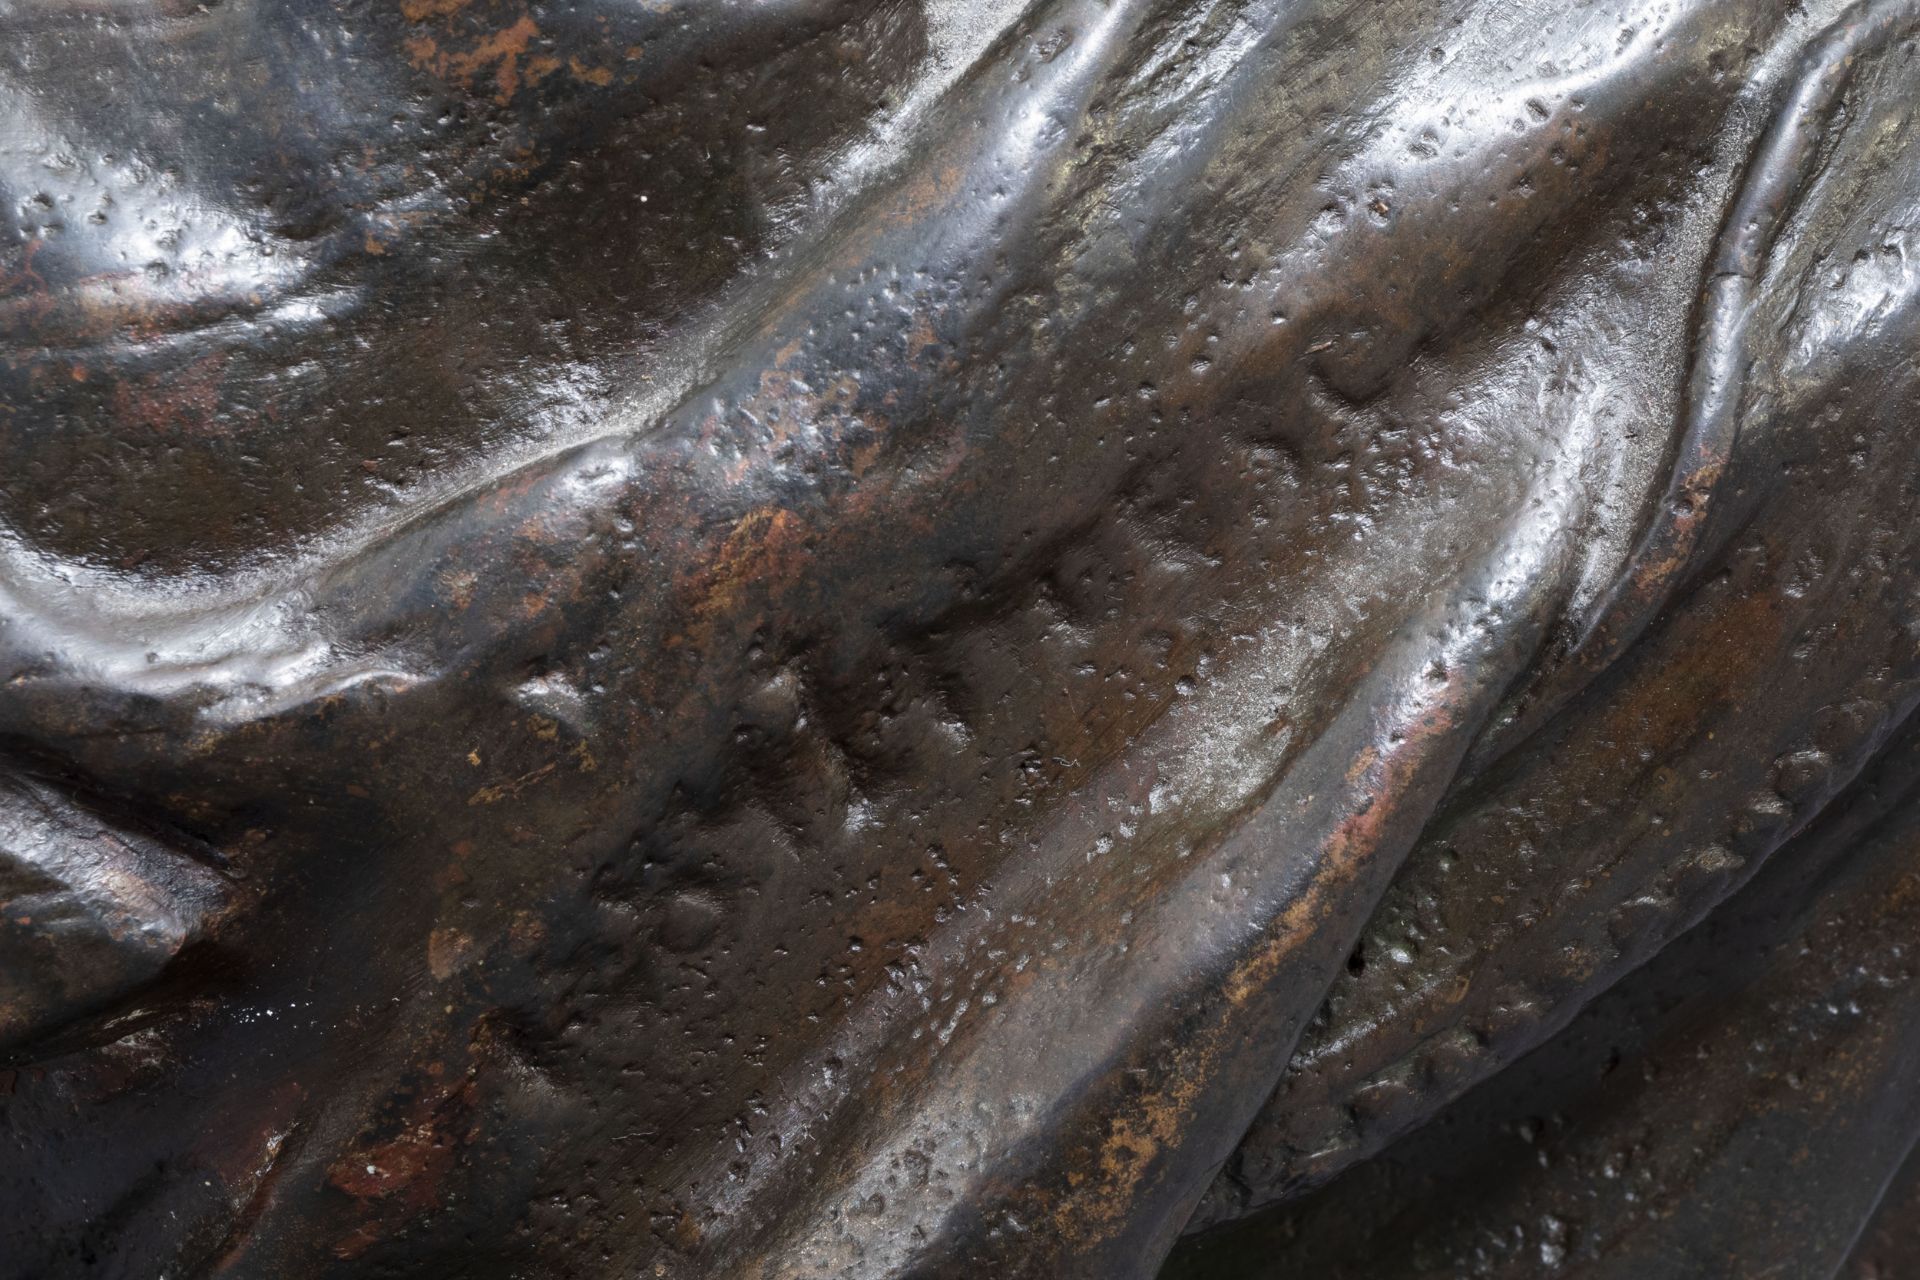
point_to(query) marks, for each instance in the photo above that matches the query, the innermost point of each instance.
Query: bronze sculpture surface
(883, 638)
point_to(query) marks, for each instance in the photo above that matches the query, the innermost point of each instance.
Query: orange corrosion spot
(421, 10)
(499, 52)
(601, 76)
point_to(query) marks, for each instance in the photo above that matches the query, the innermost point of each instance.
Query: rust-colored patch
(401, 1172)
(507, 790)
(761, 542)
(496, 54)
(599, 76)
(183, 402)
(421, 10)
(448, 952)
(457, 586)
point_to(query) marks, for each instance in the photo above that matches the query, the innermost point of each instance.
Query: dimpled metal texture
(904, 639)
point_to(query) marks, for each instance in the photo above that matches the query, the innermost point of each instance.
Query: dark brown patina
(905, 638)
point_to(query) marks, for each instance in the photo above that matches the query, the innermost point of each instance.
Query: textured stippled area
(923, 638)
